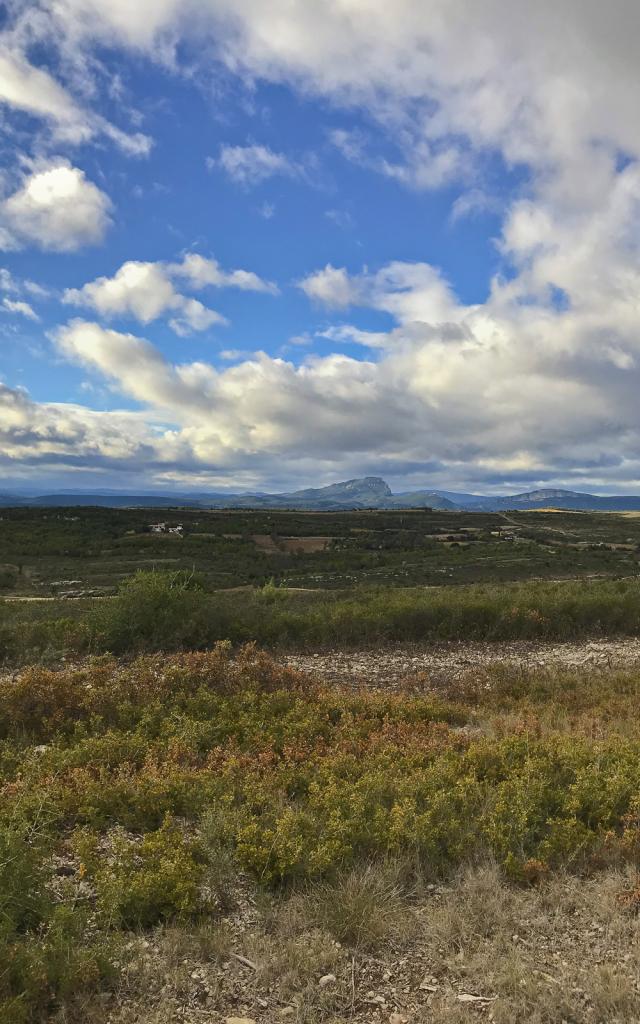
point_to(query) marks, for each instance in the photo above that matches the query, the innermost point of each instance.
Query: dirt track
(390, 666)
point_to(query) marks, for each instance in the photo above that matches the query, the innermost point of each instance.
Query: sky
(266, 244)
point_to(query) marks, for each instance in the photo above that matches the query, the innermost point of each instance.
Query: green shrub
(141, 883)
(154, 611)
(157, 611)
(47, 950)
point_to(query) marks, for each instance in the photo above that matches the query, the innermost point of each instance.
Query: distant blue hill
(359, 493)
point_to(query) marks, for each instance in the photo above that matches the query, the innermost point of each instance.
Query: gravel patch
(394, 666)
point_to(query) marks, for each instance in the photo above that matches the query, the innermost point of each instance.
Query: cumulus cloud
(55, 208)
(409, 291)
(438, 71)
(35, 434)
(249, 165)
(137, 289)
(201, 272)
(193, 316)
(474, 389)
(146, 291)
(330, 286)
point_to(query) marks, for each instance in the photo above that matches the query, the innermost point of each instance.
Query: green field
(47, 552)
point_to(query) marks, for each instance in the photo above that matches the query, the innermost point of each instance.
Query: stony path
(442, 662)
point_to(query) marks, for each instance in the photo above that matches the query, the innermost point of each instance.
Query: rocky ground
(395, 666)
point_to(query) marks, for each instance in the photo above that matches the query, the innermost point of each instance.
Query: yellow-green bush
(140, 883)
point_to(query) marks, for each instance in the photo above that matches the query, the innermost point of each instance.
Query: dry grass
(366, 907)
(568, 950)
(564, 951)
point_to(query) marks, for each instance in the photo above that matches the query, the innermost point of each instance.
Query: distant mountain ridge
(359, 493)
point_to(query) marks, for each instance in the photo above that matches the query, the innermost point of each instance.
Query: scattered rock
(427, 667)
(327, 979)
(467, 997)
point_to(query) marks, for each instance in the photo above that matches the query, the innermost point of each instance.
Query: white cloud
(137, 289)
(35, 91)
(7, 281)
(37, 290)
(351, 143)
(60, 435)
(478, 393)
(201, 272)
(56, 208)
(522, 82)
(330, 286)
(482, 395)
(249, 165)
(423, 164)
(231, 355)
(134, 363)
(353, 335)
(145, 292)
(194, 317)
(409, 291)
(474, 203)
(20, 307)
(304, 340)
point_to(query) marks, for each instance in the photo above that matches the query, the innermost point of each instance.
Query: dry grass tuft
(364, 907)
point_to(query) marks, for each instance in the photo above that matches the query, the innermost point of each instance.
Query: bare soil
(291, 545)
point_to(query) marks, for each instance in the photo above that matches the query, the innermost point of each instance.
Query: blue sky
(276, 244)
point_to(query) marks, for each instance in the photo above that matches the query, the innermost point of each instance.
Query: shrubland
(139, 794)
(160, 611)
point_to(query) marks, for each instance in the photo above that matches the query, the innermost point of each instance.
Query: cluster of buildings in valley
(163, 528)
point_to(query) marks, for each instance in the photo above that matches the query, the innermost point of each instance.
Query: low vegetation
(139, 795)
(173, 611)
(190, 830)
